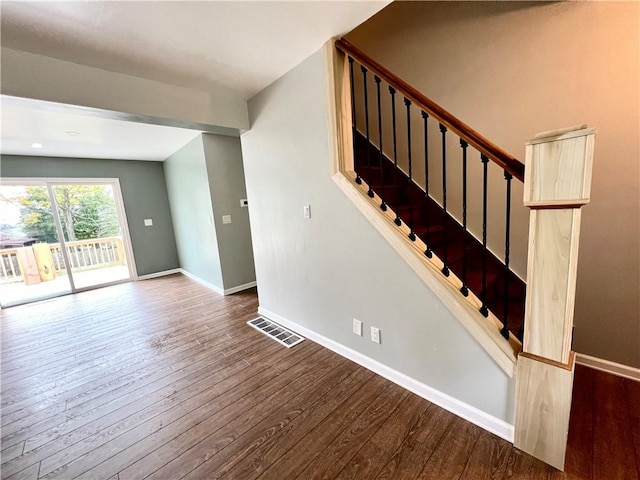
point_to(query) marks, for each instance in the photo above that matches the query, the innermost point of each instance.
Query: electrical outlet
(375, 335)
(357, 327)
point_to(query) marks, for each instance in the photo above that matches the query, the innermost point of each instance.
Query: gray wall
(225, 171)
(323, 271)
(538, 67)
(143, 191)
(190, 199)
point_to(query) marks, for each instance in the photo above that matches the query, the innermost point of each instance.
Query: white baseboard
(609, 367)
(239, 288)
(202, 282)
(472, 414)
(159, 274)
(215, 288)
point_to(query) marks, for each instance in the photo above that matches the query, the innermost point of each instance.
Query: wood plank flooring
(162, 379)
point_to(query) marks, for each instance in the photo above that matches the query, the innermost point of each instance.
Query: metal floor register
(275, 331)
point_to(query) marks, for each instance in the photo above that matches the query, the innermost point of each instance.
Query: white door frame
(49, 182)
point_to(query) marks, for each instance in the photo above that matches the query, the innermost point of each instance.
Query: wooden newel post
(557, 184)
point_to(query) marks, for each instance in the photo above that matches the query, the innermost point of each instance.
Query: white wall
(322, 272)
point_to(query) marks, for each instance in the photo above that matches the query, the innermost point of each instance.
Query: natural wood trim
(543, 406)
(562, 134)
(550, 340)
(485, 146)
(572, 278)
(588, 170)
(558, 205)
(337, 80)
(567, 159)
(567, 366)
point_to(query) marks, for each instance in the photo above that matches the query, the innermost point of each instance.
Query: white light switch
(244, 202)
(357, 327)
(307, 211)
(375, 335)
(148, 222)
(226, 218)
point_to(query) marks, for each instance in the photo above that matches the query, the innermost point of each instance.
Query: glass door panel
(93, 233)
(31, 265)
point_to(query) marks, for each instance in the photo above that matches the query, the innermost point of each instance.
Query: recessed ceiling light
(72, 132)
(36, 145)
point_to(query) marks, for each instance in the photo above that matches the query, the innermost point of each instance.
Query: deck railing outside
(83, 255)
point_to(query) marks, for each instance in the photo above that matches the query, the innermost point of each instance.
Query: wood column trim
(557, 185)
(543, 395)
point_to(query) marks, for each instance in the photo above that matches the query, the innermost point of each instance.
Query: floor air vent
(275, 331)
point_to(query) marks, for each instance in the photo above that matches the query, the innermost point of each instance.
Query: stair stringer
(486, 331)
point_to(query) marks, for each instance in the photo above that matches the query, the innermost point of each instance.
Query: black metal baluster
(445, 267)
(483, 309)
(412, 234)
(505, 327)
(425, 117)
(464, 289)
(383, 205)
(353, 117)
(392, 91)
(366, 124)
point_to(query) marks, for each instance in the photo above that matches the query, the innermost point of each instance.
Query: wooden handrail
(464, 131)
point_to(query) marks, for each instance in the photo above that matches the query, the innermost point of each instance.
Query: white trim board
(210, 286)
(239, 288)
(607, 366)
(472, 414)
(227, 291)
(163, 273)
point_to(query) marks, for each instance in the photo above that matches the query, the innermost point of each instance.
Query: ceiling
(63, 132)
(241, 46)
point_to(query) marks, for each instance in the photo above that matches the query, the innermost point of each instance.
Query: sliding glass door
(28, 269)
(92, 232)
(61, 237)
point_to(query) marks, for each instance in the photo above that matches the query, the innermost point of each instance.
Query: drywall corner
(225, 173)
(190, 200)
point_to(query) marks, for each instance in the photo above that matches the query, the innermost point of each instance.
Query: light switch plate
(244, 202)
(357, 327)
(307, 211)
(375, 335)
(148, 222)
(226, 218)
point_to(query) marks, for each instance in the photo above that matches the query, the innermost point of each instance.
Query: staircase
(445, 236)
(424, 140)
(393, 146)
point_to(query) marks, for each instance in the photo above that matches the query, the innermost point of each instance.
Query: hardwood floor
(163, 379)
